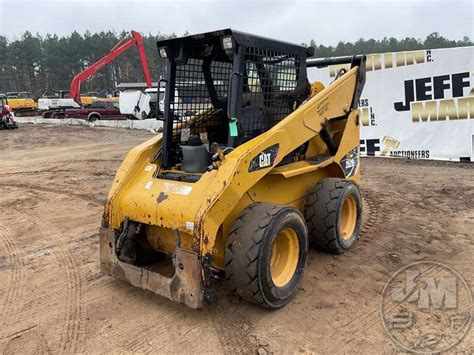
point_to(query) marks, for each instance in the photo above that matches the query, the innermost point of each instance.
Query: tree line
(38, 63)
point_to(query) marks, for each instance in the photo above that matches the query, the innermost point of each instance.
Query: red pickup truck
(98, 110)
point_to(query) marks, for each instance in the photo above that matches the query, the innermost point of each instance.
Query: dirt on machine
(254, 166)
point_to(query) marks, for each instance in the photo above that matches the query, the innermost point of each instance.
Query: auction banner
(417, 104)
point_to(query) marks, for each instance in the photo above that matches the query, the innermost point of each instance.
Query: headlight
(227, 43)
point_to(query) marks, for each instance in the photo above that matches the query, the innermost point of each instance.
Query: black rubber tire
(249, 249)
(93, 118)
(322, 213)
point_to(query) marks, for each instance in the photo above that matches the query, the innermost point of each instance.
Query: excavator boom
(121, 47)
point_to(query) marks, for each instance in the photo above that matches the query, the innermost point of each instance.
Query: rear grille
(168, 175)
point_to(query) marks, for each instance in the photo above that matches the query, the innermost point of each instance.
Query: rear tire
(333, 214)
(266, 254)
(58, 115)
(93, 118)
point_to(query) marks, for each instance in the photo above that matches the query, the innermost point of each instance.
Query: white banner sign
(417, 104)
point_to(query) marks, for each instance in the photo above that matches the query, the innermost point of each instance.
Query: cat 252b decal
(265, 159)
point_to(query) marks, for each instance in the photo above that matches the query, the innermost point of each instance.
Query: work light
(162, 52)
(227, 42)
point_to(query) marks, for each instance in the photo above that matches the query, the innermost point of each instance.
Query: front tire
(266, 254)
(333, 214)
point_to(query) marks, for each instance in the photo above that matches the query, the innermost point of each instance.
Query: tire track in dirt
(13, 290)
(141, 343)
(44, 169)
(233, 328)
(173, 330)
(59, 153)
(35, 172)
(368, 320)
(371, 216)
(370, 202)
(86, 198)
(72, 330)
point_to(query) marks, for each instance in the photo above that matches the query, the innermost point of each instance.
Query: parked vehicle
(142, 105)
(98, 110)
(7, 118)
(156, 102)
(21, 102)
(253, 166)
(134, 104)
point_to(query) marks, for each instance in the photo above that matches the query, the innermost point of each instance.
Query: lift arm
(119, 49)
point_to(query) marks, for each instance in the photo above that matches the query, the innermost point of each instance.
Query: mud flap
(184, 287)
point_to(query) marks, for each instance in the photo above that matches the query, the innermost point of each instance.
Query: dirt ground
(54, 181)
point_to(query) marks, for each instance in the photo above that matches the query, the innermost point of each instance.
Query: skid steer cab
(254, 166)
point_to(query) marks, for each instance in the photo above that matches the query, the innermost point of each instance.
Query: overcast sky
(292, 20)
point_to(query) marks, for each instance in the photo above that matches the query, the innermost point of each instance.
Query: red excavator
(121, 47)
(55, 108)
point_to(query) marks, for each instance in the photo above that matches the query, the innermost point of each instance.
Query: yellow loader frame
(193, 220)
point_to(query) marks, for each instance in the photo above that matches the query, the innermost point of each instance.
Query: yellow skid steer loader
(254, 165)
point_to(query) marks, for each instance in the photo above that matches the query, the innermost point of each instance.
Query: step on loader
(254, 166)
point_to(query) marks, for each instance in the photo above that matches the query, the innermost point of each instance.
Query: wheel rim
(348, 217)
(285, 255)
